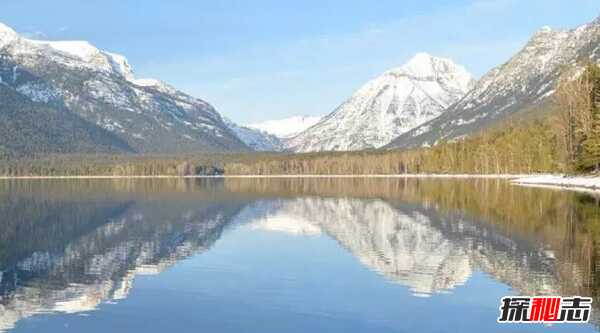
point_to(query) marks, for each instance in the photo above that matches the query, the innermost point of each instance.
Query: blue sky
(258, 60)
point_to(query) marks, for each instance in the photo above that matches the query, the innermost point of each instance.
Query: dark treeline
(114, 165)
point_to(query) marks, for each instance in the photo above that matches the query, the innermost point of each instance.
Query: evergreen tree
(589, 158)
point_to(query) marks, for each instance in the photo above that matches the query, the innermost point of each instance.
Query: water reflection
(416, 246)
(401, 243)
(556, 233)
(67, 246)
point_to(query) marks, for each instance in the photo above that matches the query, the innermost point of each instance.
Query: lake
(289, 254)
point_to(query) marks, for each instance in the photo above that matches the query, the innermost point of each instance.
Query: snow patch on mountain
(287, 127)
(39, 92)
(81, 49)
(147, 82)
(104, 60)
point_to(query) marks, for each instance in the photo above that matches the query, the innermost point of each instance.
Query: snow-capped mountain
(391, 104)
(256, 139)
(524, 82)
(99, 87)
(287, 127)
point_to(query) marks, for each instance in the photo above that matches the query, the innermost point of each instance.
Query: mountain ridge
(100, 88)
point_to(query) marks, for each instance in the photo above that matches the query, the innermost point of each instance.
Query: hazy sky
(257, 60)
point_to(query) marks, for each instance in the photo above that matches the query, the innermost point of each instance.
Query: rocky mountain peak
(424, 65)
(389, 105)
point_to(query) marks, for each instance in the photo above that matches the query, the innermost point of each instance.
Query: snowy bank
(591, 183)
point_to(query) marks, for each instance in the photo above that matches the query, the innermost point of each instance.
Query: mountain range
(386, 113)
(71, 97)
(411, 107)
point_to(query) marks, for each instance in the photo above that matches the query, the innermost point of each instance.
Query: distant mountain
(256, 139)
(524, 82)
(392, 104)
(287, 127)
(96, 92)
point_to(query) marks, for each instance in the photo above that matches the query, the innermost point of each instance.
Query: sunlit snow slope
(393, 103)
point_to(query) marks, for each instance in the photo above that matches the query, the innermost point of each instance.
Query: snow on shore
(561, 181)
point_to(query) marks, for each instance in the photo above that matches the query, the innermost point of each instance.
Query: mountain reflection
(67, 246)
(66, 249)
(415, 246)
(430, 235)
(401, 243)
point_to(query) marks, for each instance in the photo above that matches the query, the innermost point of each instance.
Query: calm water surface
(288, 255)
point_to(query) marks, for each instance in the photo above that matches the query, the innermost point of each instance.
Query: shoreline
(458, 176)
(550, 181)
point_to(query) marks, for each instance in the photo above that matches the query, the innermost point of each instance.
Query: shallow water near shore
(288, 254)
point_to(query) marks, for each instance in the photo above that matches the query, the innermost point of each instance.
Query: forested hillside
(27, 127)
